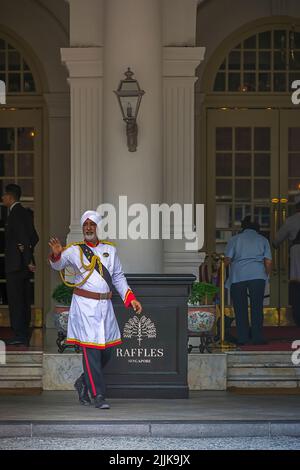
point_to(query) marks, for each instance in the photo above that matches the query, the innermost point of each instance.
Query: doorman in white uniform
(92, 323)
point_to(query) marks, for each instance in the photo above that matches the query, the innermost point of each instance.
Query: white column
(85, 66)
(179, 22)
(179, 65)
(133, 39)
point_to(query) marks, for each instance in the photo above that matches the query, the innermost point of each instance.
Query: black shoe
(82, 391)
(101, 403)
(16, 342)
(231, 339)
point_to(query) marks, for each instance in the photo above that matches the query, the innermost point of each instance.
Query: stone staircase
(23, 371)
(272, 370)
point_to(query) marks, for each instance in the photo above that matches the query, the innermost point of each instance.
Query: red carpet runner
(279, 339)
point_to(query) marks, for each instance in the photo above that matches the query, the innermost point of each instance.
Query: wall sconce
(129, 97)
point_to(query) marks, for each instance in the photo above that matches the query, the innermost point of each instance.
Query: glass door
(244, 173)
(20, 163)
(289, 186)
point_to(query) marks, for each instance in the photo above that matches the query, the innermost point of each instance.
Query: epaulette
(106, 242)
(72, 244)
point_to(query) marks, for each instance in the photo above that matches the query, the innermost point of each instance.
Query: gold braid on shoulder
(88, 267)
(106, 242)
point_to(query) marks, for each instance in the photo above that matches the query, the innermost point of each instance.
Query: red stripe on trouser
(89, 372)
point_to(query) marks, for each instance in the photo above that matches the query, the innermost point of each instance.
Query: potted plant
(62, 295)
(201, 307)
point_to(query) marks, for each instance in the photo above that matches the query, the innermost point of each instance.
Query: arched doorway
(21, 155)
(252, 145)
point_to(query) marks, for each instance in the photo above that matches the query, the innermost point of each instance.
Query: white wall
(218, 19)
(35, 27)
(133, 39)
(86, 23)
(41, 28)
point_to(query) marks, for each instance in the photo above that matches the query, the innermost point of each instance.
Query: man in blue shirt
(249, 256)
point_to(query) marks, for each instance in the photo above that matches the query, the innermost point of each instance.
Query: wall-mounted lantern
(129, 97)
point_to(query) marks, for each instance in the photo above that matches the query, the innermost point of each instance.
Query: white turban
(92, 215)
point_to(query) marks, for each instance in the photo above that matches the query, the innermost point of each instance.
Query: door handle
(275, 214)
(284, 251)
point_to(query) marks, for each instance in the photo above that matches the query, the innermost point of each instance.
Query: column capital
(182, 61)
(83, 62)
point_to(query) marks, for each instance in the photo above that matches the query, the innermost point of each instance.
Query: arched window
(14, 70)
(268, 61)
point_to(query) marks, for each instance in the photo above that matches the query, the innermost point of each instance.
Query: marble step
(280, 374)
(262, 383)
(21, 357)
(21, 382)
(22, 370)
(263, 377)
(256, 369)
(259, 358)
(266, 365)
(16, 370)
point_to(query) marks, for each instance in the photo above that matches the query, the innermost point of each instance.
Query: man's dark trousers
(20, 238)
(19, 296)
(94, 360)
(239, 294)
(294, 300)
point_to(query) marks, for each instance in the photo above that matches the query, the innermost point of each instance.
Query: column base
(75, 234)
(183, 262)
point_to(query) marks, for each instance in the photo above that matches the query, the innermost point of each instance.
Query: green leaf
(62, 294)
(202, 292)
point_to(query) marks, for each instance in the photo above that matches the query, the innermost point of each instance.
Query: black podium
(152, 360)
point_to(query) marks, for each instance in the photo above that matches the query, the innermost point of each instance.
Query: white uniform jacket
(92, 323)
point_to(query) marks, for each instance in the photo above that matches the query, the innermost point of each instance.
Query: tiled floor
(61, 405)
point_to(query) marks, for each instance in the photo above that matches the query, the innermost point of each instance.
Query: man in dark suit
(20, 239)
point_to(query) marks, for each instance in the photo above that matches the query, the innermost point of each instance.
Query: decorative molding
(179, 70)
(83, 62)
(86, 155)
(85, 66)
(180, 64)
(178, 141)
(182, 61)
